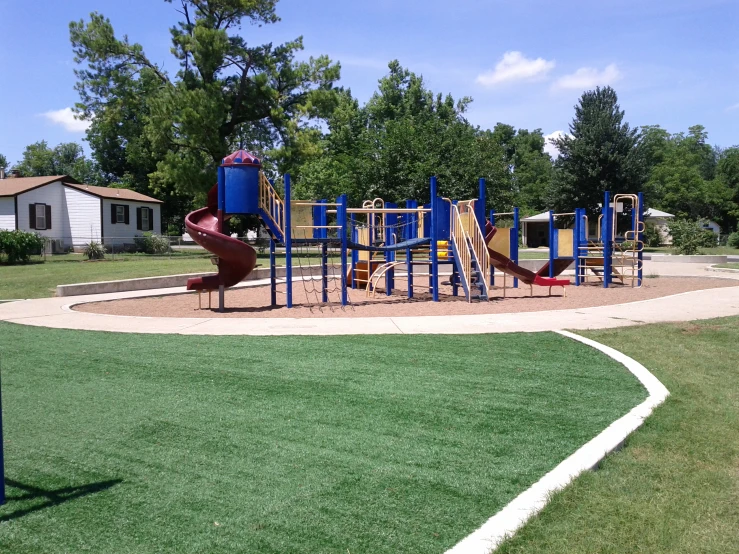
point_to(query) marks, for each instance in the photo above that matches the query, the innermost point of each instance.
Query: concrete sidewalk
(706, 304)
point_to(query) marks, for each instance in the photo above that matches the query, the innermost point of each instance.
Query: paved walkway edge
(526, 505)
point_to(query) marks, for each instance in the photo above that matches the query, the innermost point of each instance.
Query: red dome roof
(241, 157)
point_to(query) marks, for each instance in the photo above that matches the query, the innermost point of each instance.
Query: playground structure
(381, 243)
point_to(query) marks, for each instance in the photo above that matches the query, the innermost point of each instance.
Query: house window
(120, 214)
(145, 220)
(39, 216)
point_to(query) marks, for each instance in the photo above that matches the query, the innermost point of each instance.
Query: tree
(67, 158)
(227, 93)
(601, 154)
(390, 147)
(3, 163)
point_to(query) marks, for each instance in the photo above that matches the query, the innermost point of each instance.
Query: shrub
(94, 251)
(688, 237)
(151, 244)
(652, 236)
(734, 240)
(19, 246)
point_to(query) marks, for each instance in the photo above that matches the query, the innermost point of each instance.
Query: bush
(151, 244)
(734, 240)
(652, 236)
(688, 237)
(19, 246)
(94, 251)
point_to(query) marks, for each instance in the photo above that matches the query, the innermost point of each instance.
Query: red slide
(236, 259)
(506, 265)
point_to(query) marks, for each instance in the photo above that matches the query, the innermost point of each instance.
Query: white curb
(512, 517)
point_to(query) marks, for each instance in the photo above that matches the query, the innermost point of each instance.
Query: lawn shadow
(53, 497)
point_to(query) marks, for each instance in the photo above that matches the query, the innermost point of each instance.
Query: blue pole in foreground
(552, 253)
(288, 245)
(341, 214)
(272, 273)
(514, 243)
(434, 245)
(607, 230)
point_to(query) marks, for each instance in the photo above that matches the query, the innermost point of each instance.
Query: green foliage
(688, 237)
(19, 246)
(734, 240)
(94, 250)
(601, 153)
(652, 236)
(67, 158)
(3, 163)
(176, 129)
(150, 243)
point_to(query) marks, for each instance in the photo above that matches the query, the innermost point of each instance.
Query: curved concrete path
(705, 304)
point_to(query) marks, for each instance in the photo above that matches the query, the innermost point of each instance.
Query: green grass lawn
(716, 251)
(728, 266)
(675, 487)
(375, 444)
(39, 280)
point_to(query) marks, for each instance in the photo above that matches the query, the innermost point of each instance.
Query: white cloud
(732, 108)
(589, 77)
(514, 66)
(549, 148)
(65, 118)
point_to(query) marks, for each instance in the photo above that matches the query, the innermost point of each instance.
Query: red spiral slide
(236, 259)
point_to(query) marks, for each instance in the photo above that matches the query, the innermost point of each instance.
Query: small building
(535, 229)
(72, 214)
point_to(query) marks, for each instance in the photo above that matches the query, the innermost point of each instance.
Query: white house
(72, 214)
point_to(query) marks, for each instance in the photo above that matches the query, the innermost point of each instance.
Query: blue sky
(525, 62)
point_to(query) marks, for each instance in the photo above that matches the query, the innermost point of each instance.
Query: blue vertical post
(552, 246)
(272, 273)
(480, 204)
(607, 230)
(288, 245)
(324, 271)
(391, 223)
(409, 260)
(576, 243)
(492, 267)
(434, 245)
(341, 216)
(514, 243)
(640, 236)
(355, 252)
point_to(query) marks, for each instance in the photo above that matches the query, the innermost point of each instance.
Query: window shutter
(138, 219)
(48, 216)
(151, 220)
(113, 218)
(125, 214)
(32, 216)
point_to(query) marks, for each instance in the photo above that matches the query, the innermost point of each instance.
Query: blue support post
(409, 260)
(355, 252)
(576, 243)
(480, 204)
(434, 244)
(341, 216)
(607, 229)
(288, 245)
(514, 243)
(324, 272)
(391, 222)
(640, 237)
(552, 245)
(272, 273)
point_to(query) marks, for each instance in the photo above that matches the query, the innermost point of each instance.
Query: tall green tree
(600, 154)
(67, 158)
(3, 163)
(175, 129)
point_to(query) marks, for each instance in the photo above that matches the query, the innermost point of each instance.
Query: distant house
(72, 214)
(535, 229)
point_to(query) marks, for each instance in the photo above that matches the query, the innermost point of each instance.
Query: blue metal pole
(640, 236)
(480, 204)
(341, 214)
(492, 267)
(272, 273)
(514, 243)
(434, 245)
(551, 244)
(391, 222)
(576, 243)
(607, 240)
(288, 245)
(324, 272)
(355, 252)
(409, 260)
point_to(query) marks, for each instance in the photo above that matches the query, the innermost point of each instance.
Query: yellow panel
(564, 243)
(421, 215)
(501, 242)
(301, 216)
(363, 238)
(465, 219)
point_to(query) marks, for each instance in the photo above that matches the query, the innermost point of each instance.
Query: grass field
(675, 487)
(716, 251)
(728, 266)
(145, 443)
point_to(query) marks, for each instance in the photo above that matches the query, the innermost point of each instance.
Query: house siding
(120, 233)
(52, 195)
(83, 217)
(7, 214)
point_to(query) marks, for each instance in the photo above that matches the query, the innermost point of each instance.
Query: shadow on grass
(53, 497)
